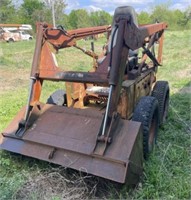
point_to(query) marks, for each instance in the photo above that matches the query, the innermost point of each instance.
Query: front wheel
(147, 112)
(58, 98)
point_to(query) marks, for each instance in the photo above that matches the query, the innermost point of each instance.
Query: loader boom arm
(61, 38)
(128, 35)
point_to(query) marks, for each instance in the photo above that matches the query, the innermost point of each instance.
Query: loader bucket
(67, 136)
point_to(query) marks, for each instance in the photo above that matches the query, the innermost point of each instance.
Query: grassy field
(166, 173)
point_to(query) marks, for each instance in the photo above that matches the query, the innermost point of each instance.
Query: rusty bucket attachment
(68, 137)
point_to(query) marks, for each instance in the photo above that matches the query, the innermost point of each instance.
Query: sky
(110, 5)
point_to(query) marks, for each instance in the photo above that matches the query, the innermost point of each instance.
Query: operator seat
(126, 11)
(130, 12)
(120, 12)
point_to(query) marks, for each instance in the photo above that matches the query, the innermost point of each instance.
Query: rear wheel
(161, 93)
(58, 98)
(147, 112)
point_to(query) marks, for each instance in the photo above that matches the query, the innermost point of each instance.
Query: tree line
(31, 11)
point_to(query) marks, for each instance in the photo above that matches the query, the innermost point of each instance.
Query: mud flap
(67, 136)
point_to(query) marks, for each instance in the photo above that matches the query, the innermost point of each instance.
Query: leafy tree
(94, 18)
(65, 22)
(144, 18)
(161, 13)
(100, 18)
(32, 11)
(186, 20)
(7, 11)
(105, 18)
(59, 7)
(79, 18)
(176, 19)
(73, 19)
(83, 18)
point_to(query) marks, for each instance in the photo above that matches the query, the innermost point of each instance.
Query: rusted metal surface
(59, 39)
(160, 48)
(51, 138)
(75, 94)
(93, 133)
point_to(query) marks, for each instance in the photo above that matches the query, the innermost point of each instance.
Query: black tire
(161, 93)
(147, 112)
(10, 40)
(58, 98)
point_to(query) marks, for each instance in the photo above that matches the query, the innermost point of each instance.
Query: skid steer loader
(106, 122)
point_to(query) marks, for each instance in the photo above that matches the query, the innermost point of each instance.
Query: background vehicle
(15, 32)
(13, 36)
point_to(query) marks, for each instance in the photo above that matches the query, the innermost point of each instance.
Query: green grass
(166, 173)
(16, 55)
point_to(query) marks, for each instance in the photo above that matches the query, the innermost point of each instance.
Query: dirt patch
(185, 90)
(11, 80)
(57, 184)
(184, 73)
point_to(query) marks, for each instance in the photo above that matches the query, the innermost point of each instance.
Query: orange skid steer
(107, 120)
